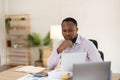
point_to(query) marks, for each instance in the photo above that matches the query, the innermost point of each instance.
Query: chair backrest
(96, 44)
(102, 55)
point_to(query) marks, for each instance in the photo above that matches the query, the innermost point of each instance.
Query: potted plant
(36, 42)
(45, 42)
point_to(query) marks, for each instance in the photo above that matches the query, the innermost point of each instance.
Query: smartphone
(40, 74)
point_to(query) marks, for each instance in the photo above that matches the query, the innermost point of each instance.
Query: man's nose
(67, 33)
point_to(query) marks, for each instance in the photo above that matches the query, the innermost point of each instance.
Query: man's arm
(53, 59)
(65, 45)
(93, 54)
(56, 53)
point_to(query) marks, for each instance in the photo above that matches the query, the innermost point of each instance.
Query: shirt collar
(78, 40)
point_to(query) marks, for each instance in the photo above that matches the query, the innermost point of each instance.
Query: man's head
(69, 28)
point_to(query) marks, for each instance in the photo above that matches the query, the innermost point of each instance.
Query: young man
(72, 43)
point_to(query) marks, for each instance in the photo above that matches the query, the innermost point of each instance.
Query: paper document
(57, 74)
(30, 77)
(30, 69)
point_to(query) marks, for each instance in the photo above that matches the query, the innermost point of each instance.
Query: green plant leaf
(34, 40)
(7, 24)
(47, 40)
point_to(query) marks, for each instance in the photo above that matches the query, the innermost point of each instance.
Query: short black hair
(68, 19)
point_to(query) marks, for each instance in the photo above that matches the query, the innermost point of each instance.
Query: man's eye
(71, 30)
(64, 31)
(67, 30)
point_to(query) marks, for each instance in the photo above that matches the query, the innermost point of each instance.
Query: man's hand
(66, 44)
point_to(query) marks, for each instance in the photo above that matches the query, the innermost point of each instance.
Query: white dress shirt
(81, 45)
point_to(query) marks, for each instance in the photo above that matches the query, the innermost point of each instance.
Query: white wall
(2, 34)
(98, 19)
(43, 13)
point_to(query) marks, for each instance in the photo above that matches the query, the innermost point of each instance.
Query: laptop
(92, 71)
(68, 59)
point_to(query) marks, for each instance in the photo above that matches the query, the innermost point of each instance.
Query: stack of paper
(30, 69)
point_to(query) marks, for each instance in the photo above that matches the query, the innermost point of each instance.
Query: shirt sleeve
(54, 58)
(93, 54)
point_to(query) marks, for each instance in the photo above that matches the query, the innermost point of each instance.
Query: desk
(10, 74)
(5, 67)
(115, 76)
(13, 75)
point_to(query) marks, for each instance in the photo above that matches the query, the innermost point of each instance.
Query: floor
(5, 67)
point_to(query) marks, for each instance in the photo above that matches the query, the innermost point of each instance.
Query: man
(72, 43)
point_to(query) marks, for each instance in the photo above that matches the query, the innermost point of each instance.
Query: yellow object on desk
(66, 77)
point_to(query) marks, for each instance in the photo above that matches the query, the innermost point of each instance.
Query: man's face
(69, 30)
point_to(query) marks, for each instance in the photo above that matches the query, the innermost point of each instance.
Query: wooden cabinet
(46, 53)
(17, 30)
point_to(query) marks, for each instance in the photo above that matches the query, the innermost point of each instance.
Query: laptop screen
(92, 71)
(68, 59)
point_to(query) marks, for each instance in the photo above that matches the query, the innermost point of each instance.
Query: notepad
(30, 69)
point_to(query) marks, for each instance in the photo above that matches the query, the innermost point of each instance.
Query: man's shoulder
(84, 40)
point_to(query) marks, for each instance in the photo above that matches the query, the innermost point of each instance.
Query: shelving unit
(17, 30)
(46, 53)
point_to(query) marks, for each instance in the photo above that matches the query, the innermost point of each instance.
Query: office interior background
(97, 19)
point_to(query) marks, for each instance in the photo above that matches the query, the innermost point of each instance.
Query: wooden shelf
(19, 28)
(16, 64)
